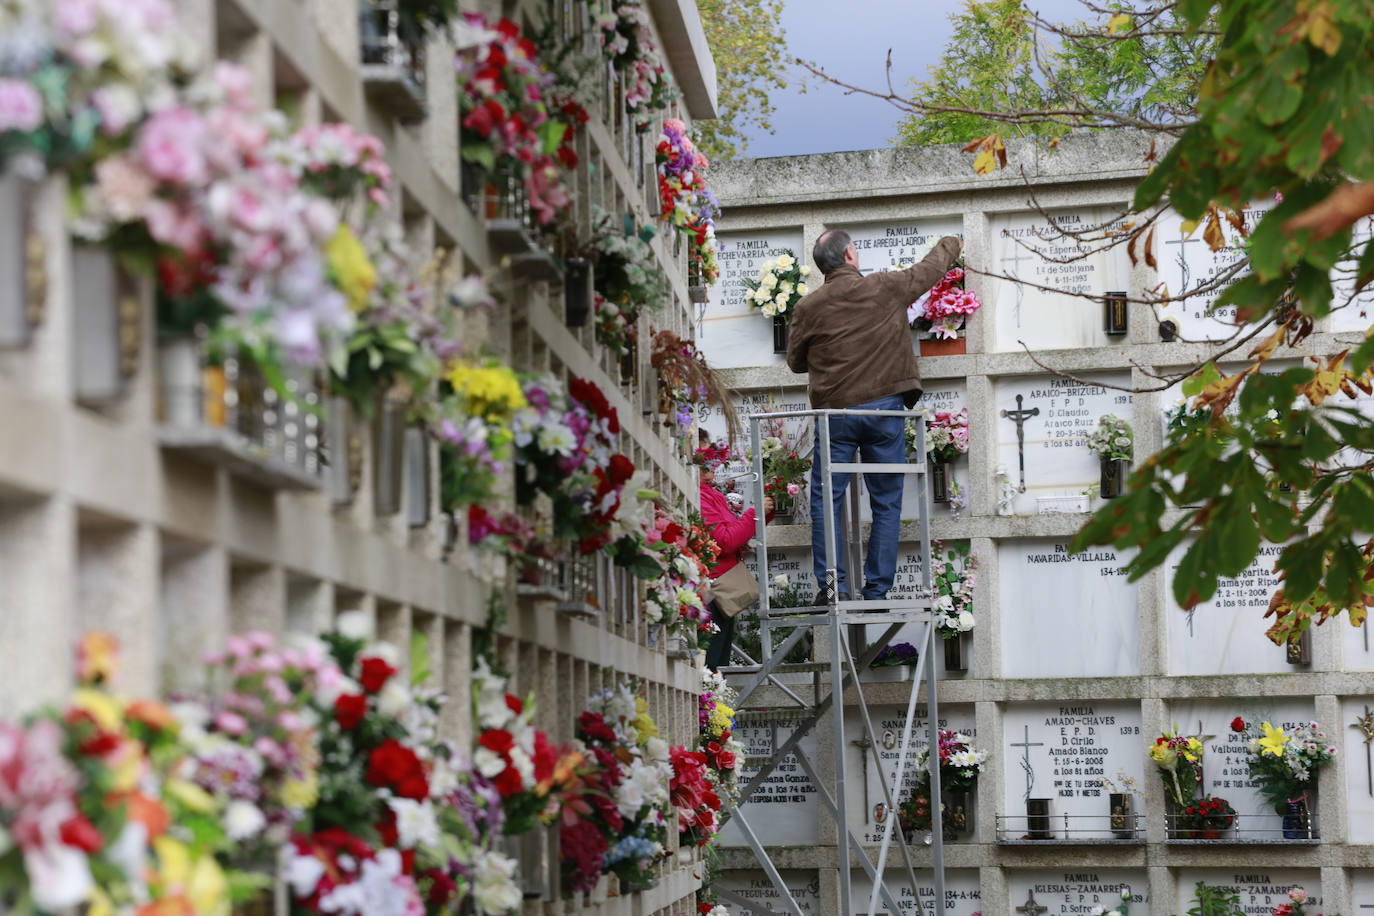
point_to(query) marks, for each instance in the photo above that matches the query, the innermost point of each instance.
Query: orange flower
(97, 658)
(142, 809)
(151, 713)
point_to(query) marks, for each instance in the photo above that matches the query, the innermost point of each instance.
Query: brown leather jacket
(852, 335)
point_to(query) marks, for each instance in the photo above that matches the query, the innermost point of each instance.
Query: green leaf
(419, 658)
(480, 154)
(1345, 575)
(1194, 582)
(1301, 562)
(1193, 385)
(1235, 538)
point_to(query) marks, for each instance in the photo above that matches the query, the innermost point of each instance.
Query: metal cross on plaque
(1183, 241)
(1019, 416)
(1365, 724)
(1022, 254)
(1030, 907)
(1026, 745)
(863, 744)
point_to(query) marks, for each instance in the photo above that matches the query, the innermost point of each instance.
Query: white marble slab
(1362, 891)
(1058, 462)
(867, 810)
(939, 396)
(1260, 888)
(963, 896)
(803, 885)
(885, 245)
(1359, 644)
(1225, 635)
(1027, 248)
(732, 334)
(1063, 751)
(1357, 313)
(1186, 263)
(1225, 770)
(784, 811)
(1359, 757)
(1075, 891)
(1065, 615)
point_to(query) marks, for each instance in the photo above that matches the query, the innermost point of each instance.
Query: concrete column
(37, 598)
(117, 582)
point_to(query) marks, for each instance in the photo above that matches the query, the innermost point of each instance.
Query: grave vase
(1209, 833)
(178, 361)
(779, 334)
(940, 346)
(956, 813)
(344, 446)
(1114, 474)
(417, 476)
(1038, 819)
(577, 292)
(1297, 820)
(956, 652)
(388, 450)
(939, 481)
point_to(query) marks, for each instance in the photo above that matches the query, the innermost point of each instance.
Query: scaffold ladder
(846, 620)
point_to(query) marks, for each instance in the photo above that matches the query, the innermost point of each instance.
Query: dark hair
(829, 250)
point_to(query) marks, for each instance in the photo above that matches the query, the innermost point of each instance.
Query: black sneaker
(819, 600)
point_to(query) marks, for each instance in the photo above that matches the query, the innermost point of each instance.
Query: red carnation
(514, 704)
(441, 888)
(621, 469)
(375, 673)
(394, 766)
(508, 782)
(79, 833)
(595, 727)
(497, 740)
(544, 757)
(1237, 724)
(349, 710)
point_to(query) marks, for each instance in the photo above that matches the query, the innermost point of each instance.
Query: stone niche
(1065, 615)
(733, 334)
(784, 811)
(1355, 732)
(899, 243)
(1077, 891)
(962, 894)
(1260, 889)
(1043, 275)
(1076, 754)
(754, 886)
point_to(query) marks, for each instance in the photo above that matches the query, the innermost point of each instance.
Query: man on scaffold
(851, 336)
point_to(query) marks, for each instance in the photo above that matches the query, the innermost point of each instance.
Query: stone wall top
(930, 169)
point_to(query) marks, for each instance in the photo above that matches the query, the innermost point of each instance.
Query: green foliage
(1215, 901)
(749, 48)
(1000, 72)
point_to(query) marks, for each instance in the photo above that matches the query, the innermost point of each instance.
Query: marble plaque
(1359, 645)
(864, 790)
(1225, 635)
(754, 886)
(883, 245)
(1065, 752)
(1260, 889)
(732, 334)
(1187, 263)
(1079, 891)
(1362, 891)
(1225, 770)
(1066, 615)
(1038, 302)
(1357, 313)
(1357, 720)
(1057, 460)
(783, 811)
(962, 894)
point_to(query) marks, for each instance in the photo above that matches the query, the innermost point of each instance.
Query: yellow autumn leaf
(1321, 31)
(1118, 23)
(985, 161)
(1188, 227)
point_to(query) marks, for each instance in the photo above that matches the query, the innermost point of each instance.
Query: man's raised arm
(921, 276)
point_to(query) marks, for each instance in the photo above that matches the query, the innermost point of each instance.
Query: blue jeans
(875, 439)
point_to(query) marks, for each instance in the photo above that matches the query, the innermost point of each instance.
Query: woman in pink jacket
(731, 533)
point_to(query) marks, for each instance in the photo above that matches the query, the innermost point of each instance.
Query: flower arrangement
(952, 571)
(626, 274)
(896, 655)
(1112, 440)
(687, 383)
(1284, 762)
(1121, 909)
(1296, 905)
(514, 755)
(780, 285)
(717, 720)
(941, 312)
(509, 126)
(477, 404)
(684, 201)
(714, 455)
(946, 434)
(693, 797)
(673, 599)
(960, 764)
(1209, 813)
(1179, 758)
(785, 467)
(627, 43)
(612, 325)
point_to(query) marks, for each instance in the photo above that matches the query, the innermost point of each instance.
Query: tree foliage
(1262, 451)
(747, 42)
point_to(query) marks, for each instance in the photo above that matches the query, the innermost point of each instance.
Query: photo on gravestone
(963, 896)
(783, 811)
(1191, 275)
(1260, 889)
(1225, 757)
(868, 812)
(1043, 428)
(900, 243)
(1078, 891)
(1066, 615)
(1047, 286)
(1081, 756)
(1225, 634)
(1355, 733)
(754, 887)
(732, 333)
(1350, 310)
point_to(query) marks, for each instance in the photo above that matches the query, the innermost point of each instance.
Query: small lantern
(1298, 650)
(1038, 819)
(1114, 314)
(1168, 330)
(577, 291)
(779, 334)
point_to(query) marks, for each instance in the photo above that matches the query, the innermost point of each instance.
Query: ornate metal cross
(1183, 242)
(1030, 907)
(1365, 724)
(1019, 416)
(863, 744)
(1026, 745)
(1015, 272)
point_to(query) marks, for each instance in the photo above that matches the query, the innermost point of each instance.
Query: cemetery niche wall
(1065, 648)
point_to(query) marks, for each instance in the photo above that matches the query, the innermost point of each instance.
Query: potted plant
(1114, 444)
(1179, 759)
(775, 293)
(1208, 817)
(940, 314)
(1285, 763)
(960, 764)
(946, 440)
(895, 662)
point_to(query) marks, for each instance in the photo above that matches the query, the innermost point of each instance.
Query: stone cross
(1026, 745)
(1015, 272)
(1183, 242)
(1365, 724)
(1019, 416)
(1030, 907)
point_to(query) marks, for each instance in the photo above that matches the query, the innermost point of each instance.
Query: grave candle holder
(388, 449)
(956, 653)
(779, 334)
(577, 292)
(939, 482)
(1122, 808)
(1298, 651)
(1114, 314)
(1038, 819)
(1113, 478)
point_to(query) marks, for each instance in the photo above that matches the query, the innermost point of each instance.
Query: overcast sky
(850, 39)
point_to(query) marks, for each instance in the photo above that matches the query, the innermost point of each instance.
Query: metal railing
(380, 42)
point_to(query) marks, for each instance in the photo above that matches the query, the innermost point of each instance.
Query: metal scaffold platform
(846, 621)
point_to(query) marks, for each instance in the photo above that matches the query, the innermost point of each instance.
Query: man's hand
(768, 505)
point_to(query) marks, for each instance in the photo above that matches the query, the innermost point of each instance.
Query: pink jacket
(730, 533)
